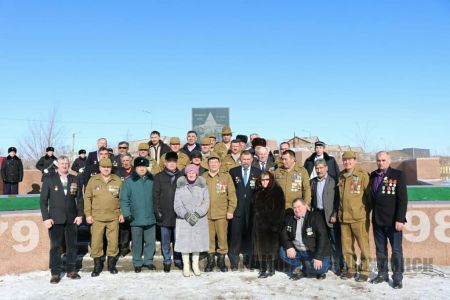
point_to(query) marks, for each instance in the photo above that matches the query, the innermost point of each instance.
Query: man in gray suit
(325, 199)
(263, 163)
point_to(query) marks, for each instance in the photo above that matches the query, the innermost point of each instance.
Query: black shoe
(361, 278)
(73, 275)
(98, 267)
(297, 274)
(337, 272)
(321, 276)
(166, 268)
(397, 285)
(210, 262)
(234, 267)
(112, 261)
(151, 267)
(379, 279)
(124, 252)
(221, 263)
(263, 274)
(137, 269)
(179, 265)
(55, 279)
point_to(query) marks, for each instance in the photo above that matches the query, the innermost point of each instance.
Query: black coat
(317, 241)
(389, 208)
(12, 169)
(78, 164)
(269, 216)
(46, 163)
(57, 206)
(244, 193)
(186, 151)
(333, 168)
(163, 198)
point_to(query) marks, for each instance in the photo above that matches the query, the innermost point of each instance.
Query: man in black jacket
(305, 243)
(46, 163)
(80, 162)
(157, 147)
(164, 186)
(319, 148)
(240, 228)
(191, 144)
(62, 211)
(12, 172)
(389, 201)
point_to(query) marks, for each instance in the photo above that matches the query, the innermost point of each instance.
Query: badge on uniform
(355, 186)
(288, 228)
(56, 188)
(252, 183)
(97, 188)
(237, 179)
(113, 189)
(73, 188)
(296, 182)
(309, 231)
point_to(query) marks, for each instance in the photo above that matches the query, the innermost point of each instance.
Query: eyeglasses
(265, 179)
(120, 147)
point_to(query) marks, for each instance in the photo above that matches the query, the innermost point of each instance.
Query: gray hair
(259, 148)
(63, 158)
(320, 161)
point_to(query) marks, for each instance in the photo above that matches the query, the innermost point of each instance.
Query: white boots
(187, 264)
(195, 268)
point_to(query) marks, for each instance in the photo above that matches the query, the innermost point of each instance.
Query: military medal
(309, 231)
(56, 188)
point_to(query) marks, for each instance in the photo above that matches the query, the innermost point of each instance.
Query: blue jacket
(136, 199)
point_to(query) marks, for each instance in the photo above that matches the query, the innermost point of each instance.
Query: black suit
(62, 209)
(241, 224)
(389, 202)
(269, 165)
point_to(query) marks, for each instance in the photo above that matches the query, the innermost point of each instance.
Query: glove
(129, 218)
(191, 218)
(158, 216)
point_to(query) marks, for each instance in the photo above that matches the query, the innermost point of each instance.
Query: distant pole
(73, 142)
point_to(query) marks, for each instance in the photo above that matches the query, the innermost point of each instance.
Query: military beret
(49, 149)
(143, 146)
(242, 138)
(195, 154)
(171, 156)
(110, 150)
(82, 151)
(213, 156)
(141, 162)
(205, 141)
(226, 130)
(174, 140)
(348, 154)
(105, 163)
(319, 143)
(12, 149)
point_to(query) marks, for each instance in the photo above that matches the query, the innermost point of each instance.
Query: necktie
(263, 166)
(245, 176)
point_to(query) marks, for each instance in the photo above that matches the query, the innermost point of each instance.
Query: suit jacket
(244, 193)
(333, 168)
(269, 165)
(390, 200)
(330, 198)
(57, 206)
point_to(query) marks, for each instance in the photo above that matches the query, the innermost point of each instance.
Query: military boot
(112, 261)
(98, 267)
(210, 262)
(221, 263)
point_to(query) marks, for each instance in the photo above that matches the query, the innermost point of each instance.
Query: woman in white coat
(191, 206)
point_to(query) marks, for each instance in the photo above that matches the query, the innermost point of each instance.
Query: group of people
(227, 198)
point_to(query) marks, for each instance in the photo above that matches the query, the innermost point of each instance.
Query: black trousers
(10, 188)
(381, 235)
(239, 240)
(60, 233)
(124, 235)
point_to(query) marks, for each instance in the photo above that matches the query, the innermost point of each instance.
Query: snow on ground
(216, 285)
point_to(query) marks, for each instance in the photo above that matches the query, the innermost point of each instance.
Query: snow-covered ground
(433, 284)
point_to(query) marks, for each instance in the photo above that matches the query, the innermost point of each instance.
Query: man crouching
(305, 243)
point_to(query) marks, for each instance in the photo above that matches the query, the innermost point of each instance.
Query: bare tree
(362, 136)
(42, 134)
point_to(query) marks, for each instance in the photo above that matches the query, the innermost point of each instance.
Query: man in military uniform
(212, 139)
(223, 202)
(143, 151)
(80, 162)
(293, 179)
(46, 163)
(223, 148)
(102, 211)
(353, 216)
(233, 159)
(205, 145)
(283, 147)
(183, 159)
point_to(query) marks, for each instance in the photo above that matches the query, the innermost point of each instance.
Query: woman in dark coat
(269, 216)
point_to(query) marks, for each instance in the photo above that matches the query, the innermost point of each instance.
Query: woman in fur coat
(269, 217)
